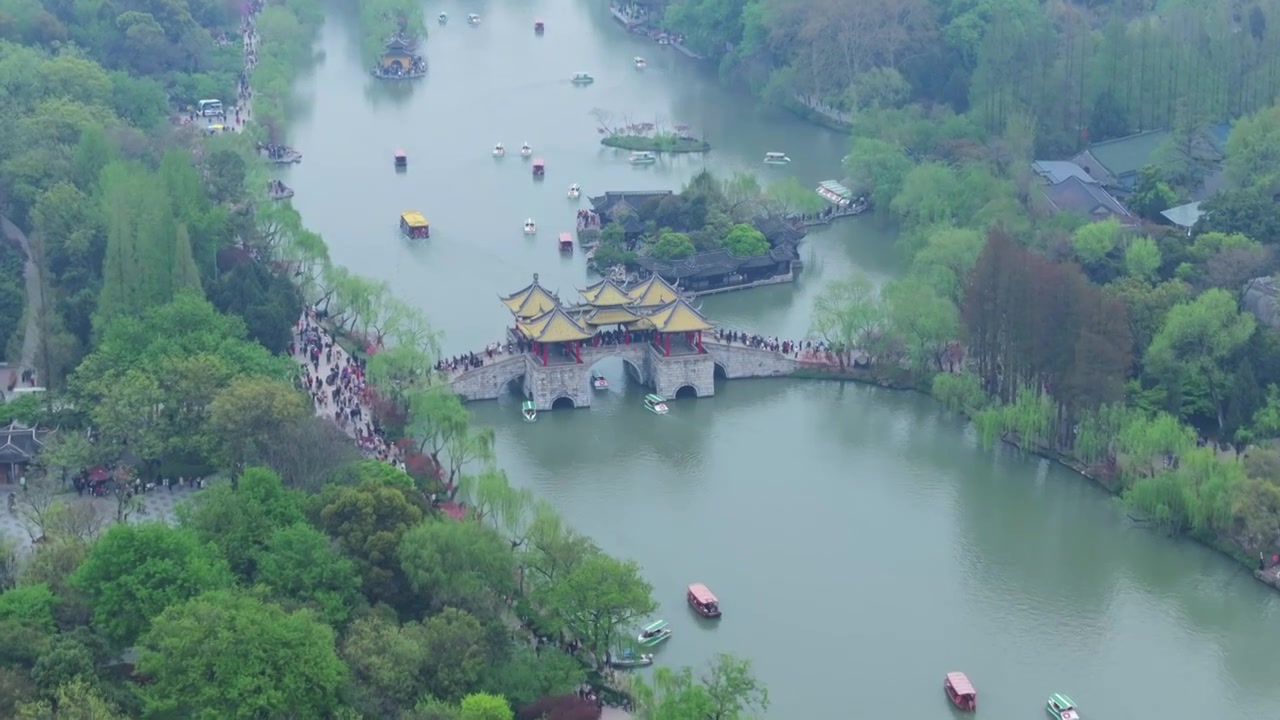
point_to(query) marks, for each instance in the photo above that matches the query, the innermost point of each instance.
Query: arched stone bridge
(646, 363)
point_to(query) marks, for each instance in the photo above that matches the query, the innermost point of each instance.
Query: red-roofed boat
(566, 242)
(703, 601)
(538, 26)
(960, 691)
(539, 167)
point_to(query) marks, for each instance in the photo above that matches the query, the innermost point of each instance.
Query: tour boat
(703, 601)
(960, 691)
(529, 227)
(581, 78)
(538, 27)
(642, 158)
(598, 382)
(654, 633)
(566, 242)
(414, 224)
(776, 158)
(402, 160)
(575, 191)
(473, 18)
(443, 18)
(525, 150)
(630, 660)
(639, 62)
(656, 404)
(498, 150)
(1061, 707)
(528, 411)
(539, 167)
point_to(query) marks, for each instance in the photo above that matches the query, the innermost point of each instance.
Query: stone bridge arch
(689, 390)
(491, 381)
(634, 359)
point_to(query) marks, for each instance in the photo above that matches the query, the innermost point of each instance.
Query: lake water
(861, 541)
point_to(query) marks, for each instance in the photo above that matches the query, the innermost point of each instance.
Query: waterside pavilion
(398, 54)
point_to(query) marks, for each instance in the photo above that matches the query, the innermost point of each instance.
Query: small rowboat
(703, 601)
(538, 26)
(529, 227)
(525, 150)
(402, 159)
(656, 404)
(528, 411)
(639, 63)
(654, 633)
(960, 691)
(575, 191)
(473, 18)
(776, 158)
(628, 660)
(498, 150)
(642, 158)
(443, 18)
(598, 382)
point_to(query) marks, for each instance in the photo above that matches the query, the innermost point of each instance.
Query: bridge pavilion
(608, 305)
(531, 301)
(555, 330)
(680, 320)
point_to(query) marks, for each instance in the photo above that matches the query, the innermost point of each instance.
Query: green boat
(1061, 707)
(642, 158)
(656, 404)
(653, 633)
(528, 411)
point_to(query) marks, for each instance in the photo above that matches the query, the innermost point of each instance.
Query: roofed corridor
(666, 342)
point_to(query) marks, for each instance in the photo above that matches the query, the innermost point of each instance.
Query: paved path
(35, 295)
(159, 504)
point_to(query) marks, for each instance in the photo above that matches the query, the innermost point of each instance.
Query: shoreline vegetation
(661, 143)
(381, 19)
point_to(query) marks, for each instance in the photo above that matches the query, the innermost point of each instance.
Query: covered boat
(402, 160)
(538, 26)
(414, 224)
(582, 78)
(656, 404)
(642, 158)
(776, 158)
(598, 382)
(566, 242)
(473, 19)
(529, 226)
(528, 411)
(703, 601)
(1061, 707)
(575, 191)
(654, 633)
(631, 660)
(960, 691)
(539, 167)
(498, 150)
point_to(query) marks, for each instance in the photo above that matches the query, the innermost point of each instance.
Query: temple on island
(400, 59)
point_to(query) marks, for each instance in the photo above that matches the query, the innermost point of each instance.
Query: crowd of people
(336, 383)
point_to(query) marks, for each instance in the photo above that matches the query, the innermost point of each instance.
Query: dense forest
(1077, 68)
(1118, 343)
(304, 579)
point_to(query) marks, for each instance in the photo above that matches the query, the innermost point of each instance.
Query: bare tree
(76, 520)
(604, 120)
(36, 506)
(309, 453)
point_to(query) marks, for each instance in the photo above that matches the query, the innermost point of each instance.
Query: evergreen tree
(1243, 400)
(185, 274)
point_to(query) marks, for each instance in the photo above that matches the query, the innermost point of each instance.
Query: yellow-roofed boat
(414, 224)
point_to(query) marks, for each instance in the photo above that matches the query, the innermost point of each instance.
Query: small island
(652, 137)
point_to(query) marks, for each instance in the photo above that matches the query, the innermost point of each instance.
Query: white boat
(642, 158)
(473, 19)
(529, 227)
(656, 404)
(525, 150)
(630, 660)
(498, 150)
(581, 78)
(528, 411)
(653, 633)
(443, 18)
(640, 63)
(776, 158)
(575, 191)
(598, 382)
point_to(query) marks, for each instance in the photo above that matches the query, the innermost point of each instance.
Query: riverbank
(906, 381)
(656, 143)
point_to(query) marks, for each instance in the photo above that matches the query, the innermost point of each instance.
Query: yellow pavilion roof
(530, 302)
(653, 292)
(605, 293)
(678, 316)
(554, 326)
(611, 316)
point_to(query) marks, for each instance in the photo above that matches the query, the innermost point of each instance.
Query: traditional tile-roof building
(531, 301)
(19, 445)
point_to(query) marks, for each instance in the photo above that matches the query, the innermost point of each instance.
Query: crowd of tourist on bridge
(336, 383)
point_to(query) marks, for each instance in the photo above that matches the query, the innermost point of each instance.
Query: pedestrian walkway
(158, 504)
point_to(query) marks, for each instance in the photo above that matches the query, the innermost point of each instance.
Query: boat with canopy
(528, 411)
(960, 691)
(656, 404)
(654, 633)
(703, 601)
